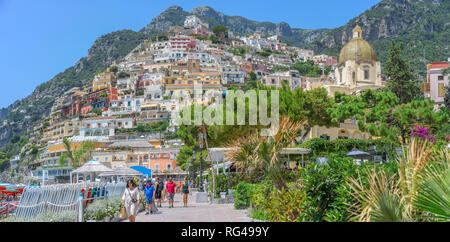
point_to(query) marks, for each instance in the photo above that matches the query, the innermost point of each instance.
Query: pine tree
(401, 80)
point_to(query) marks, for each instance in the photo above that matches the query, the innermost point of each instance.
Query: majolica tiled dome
(357, 49)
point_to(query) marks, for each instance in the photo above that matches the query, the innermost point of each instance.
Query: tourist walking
(164, 191)
(159, 191)
(170, 187)
(185, 190)
(130, 200)
(180, 184)
(149, 192)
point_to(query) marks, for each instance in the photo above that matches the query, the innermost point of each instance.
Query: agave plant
(419, 191)
(433, 195)
(261, 153)
(389, 207)
(378, 197)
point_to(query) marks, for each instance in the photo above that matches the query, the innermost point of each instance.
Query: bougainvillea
(423, 133)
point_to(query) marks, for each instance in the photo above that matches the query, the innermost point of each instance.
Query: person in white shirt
(130, 200)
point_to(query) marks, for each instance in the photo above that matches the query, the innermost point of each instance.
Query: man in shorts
(170, 187)
(149, 191)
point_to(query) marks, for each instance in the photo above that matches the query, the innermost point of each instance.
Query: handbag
(123, 213)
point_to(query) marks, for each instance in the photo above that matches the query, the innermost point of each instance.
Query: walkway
(195, 212)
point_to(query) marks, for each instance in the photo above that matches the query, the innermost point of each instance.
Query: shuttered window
(441, 90)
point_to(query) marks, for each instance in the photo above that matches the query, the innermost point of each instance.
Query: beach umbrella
(92, 166)
(358, 154)
(11, 191)
(4, 186)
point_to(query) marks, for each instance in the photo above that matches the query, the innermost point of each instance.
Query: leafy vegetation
(152, 127)
(380, 114)
(401, 80)
(308, 69)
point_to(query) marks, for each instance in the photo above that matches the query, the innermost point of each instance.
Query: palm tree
(77, 157)
(68, 154)
(261, 153)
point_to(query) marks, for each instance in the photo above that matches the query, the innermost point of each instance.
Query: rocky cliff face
(421, 25)
(175, 15)
(387, 19)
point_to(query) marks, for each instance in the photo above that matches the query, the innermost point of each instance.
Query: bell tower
(357, 32)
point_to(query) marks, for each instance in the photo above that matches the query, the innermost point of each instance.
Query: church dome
(357, 49)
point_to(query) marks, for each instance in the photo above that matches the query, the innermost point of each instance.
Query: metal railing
(61, 198)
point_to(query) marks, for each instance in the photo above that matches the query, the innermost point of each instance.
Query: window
(353, 76)
(342, 134)
(366, 74)
(157, 167)
(440, 78)
(325, 137)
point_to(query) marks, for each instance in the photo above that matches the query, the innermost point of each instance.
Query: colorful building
(436, 86)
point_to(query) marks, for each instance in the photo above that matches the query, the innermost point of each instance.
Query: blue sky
(39, 39)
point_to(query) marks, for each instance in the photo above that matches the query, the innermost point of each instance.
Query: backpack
(160, 187)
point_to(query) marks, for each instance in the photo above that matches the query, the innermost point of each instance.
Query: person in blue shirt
(149, 191)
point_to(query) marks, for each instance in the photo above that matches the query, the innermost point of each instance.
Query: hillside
(175, 15)
(423, 25)
(25, 113)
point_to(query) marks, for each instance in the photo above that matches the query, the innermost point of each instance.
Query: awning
(11, 191)
(143, 170)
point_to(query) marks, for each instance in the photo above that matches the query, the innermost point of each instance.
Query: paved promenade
(195, 212)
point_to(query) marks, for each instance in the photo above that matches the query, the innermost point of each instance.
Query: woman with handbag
(130, 200)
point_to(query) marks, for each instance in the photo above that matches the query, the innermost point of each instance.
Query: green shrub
(270, 204)
(262, 195)
(259, 215)
(64, 216)
(221, 184)
(102, 208)
(244, 192)
(287, 205)
(327, 190)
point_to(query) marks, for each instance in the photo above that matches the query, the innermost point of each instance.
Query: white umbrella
(92, 166)
(358, 154)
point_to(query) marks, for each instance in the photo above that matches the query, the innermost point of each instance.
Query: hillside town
(114, 110)
(228, 119)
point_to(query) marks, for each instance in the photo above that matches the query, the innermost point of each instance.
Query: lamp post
(193, 167)
(188, 165)
(200, 143)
